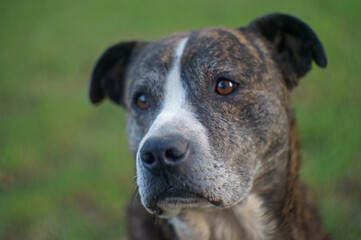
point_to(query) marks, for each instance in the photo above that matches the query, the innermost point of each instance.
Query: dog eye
(225, 86)
(142, 101)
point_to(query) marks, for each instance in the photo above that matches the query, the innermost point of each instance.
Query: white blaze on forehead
(174, 92)
(174, 104)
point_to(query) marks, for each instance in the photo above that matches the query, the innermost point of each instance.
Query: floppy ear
(295, 44)
(109, 73)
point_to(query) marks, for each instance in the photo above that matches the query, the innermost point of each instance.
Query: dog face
(207, 109)
(197, 142)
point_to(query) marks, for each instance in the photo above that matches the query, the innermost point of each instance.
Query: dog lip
(174, 198)
(174, 195)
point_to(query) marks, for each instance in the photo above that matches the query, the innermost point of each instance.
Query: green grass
(65, 170)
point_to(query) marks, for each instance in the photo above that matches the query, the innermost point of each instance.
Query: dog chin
(168, 208)
(171, 202)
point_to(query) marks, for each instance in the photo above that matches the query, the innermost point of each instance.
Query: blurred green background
(65, 169)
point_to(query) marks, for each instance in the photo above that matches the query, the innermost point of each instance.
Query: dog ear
(109, 72)
(295, 43)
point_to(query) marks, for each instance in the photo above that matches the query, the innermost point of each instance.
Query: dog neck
(247, 220)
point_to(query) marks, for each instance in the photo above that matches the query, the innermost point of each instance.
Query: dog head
(207, 109)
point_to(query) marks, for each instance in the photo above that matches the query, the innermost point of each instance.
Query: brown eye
(142, 101)
(225, 87)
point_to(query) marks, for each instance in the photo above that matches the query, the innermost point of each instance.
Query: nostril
(175, 153)
(147, 158)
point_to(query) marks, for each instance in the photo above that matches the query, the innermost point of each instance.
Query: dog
(211, 129)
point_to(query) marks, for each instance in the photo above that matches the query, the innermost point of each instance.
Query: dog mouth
(172, 201)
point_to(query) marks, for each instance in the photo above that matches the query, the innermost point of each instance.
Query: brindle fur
(294, 210)
(253, 133)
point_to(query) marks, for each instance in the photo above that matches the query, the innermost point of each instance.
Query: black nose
(164, 152)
